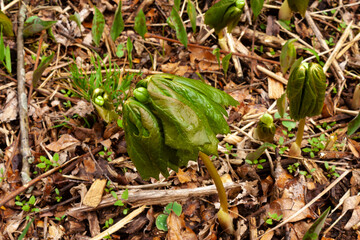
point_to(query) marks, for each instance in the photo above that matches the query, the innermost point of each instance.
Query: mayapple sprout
(225, 13)
(265, 129)
(171, 120)
(306, 93)
(290, 6)
(104, 105)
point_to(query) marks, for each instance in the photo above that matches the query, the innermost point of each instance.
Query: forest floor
(84, 185)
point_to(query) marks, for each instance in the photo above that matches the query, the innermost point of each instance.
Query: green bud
(265, 129)
(99, 100)
(103, 104)
(141, 94)
(224, 13)
(306, 90)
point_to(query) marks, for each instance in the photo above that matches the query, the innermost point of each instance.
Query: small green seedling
(106, 154)
(331, 171)
(316, 144)
(27, 206)
(60, 218)
(58, 197)
(2, 177)
(256, 163)
(46, 164)
(272, 217)
(108, 223)
(161, 220)
(228, 150)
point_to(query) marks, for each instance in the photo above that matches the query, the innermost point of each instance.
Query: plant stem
(217, 180)
(300, 132)
(222, 41)
(225, 220)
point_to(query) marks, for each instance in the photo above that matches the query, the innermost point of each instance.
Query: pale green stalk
(224, 217)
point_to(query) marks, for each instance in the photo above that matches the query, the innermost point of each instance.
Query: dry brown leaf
(13, 223)
(205, 60)
(354, 147)
(298, 230)
(351, 203)
(232, 139)
(288, 207)
(55, 231)
(82, 108)
(267, 236)
(175, 68)
(183, 177)
(354, 220)
(178, 230)
(9, 112)
(65, 141)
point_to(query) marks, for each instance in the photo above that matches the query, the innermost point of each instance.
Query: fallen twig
(154, 197)
(27, 157)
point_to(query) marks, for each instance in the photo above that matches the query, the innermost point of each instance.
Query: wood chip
(94, 195)
(276, 88)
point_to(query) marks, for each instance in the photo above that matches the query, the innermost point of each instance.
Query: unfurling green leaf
(6, 25)
(98, 25)
(224, 13)
(140, 24)
(298, 6)
(145, 143)
(256, 6)
(255, 155)
(76, 18)
(45, 61)
(288, 55)
(353, 125)
(129, 48)
(175, 21)
(281, 104)
(104, 105)
(185, 128)
(306, 90)
(189, 114)
(315, 229)
(265, 130)
(118, 23)
(35, 25)
(191, 11)
(225, 63)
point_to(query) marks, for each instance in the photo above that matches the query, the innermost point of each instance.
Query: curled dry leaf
(64, 142)
(354, 220)
(177, 228)
(9, 112)
(82, 108)
(232, 139)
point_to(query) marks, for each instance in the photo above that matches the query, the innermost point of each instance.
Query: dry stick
(149, 35)
(352, 42)
(272, 75)
(311, 202)
(38, 178)
(119, 224)
(27, 158)
(155, 197)
(339, 45)
(237, 64)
